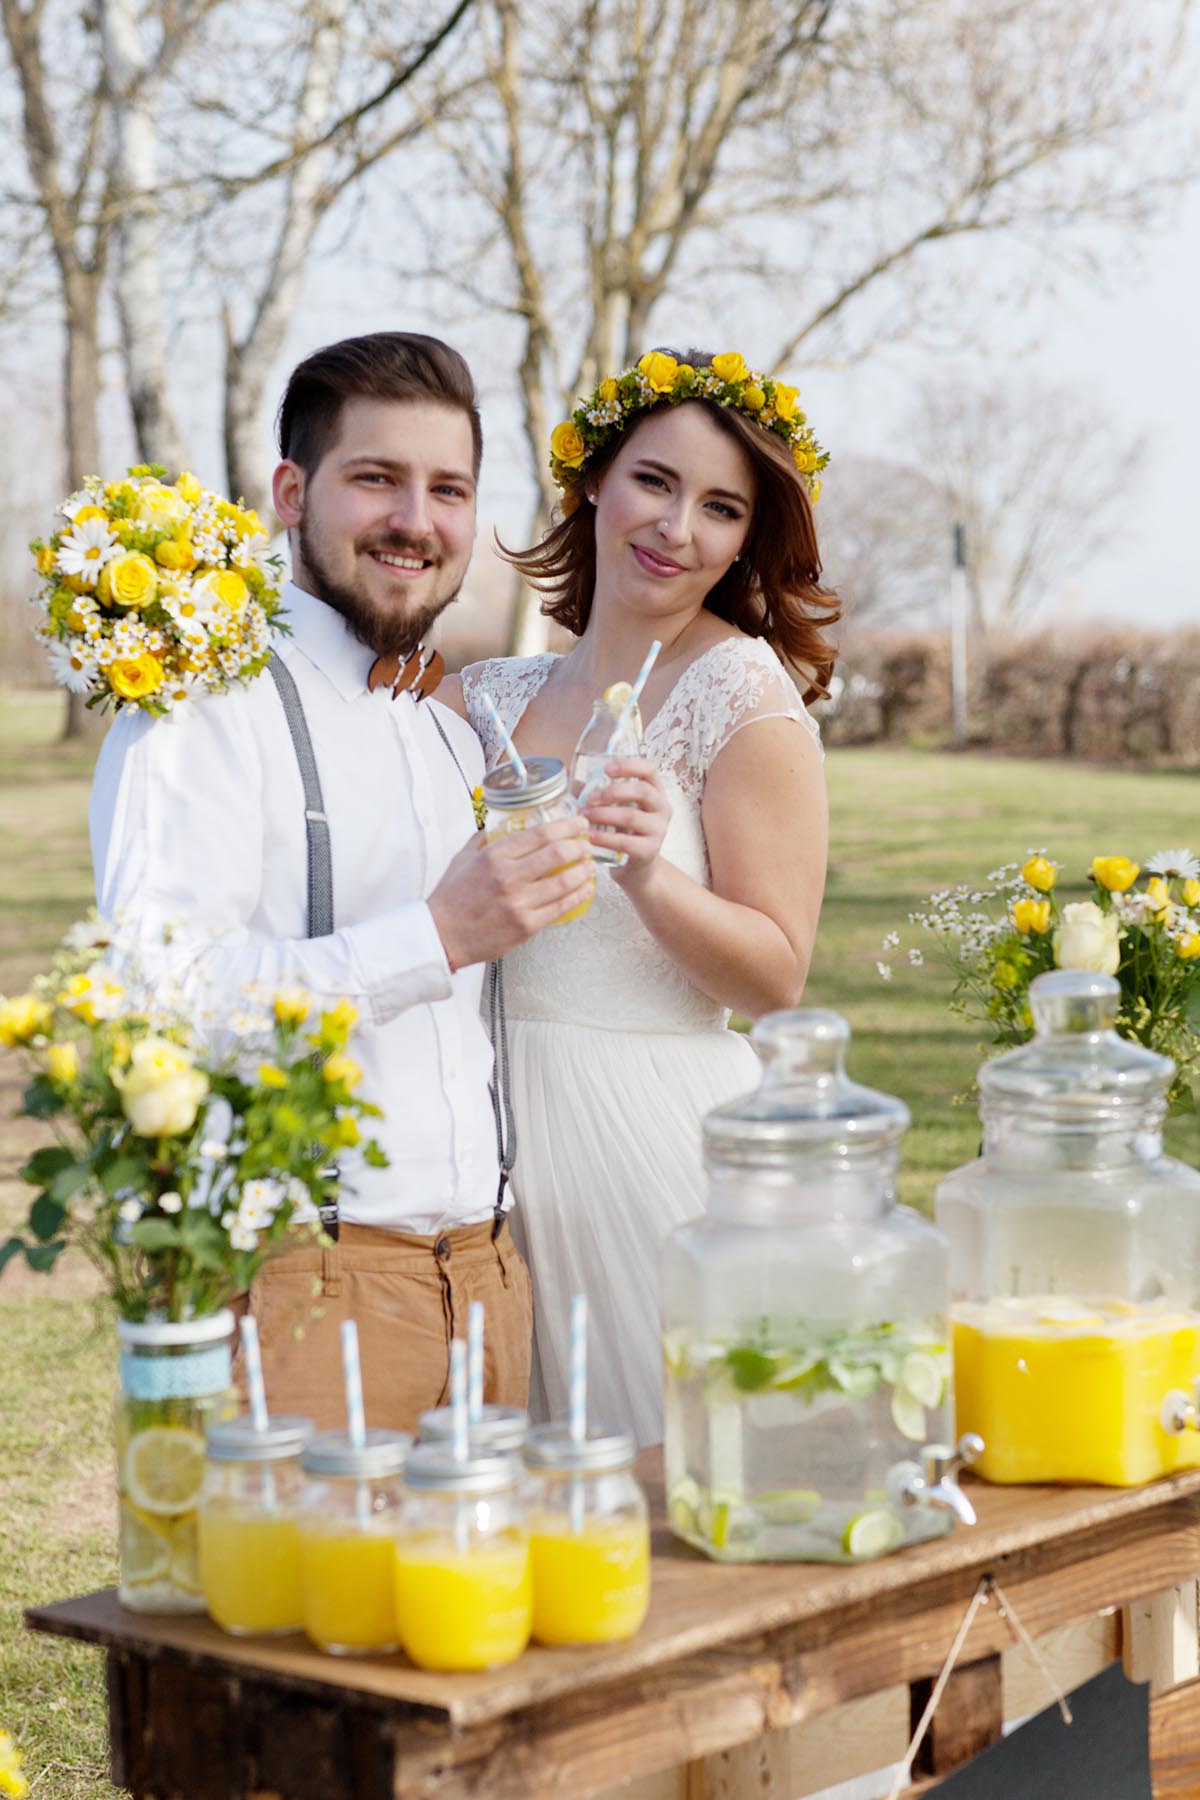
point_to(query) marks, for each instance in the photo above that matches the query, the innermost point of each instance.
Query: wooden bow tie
(417, 674)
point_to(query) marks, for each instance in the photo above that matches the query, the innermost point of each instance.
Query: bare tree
(885, 543)
(1039, 476)
(817, 169)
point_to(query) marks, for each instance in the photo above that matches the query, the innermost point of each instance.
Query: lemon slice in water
(145, 1550)
(618, 695)
(873, 1533)
(164, 1468)
(921, 1376)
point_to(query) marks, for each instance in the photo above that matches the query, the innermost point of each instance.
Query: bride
(687, 502)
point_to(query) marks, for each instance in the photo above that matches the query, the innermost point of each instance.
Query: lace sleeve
(512, 681)
(735, 684)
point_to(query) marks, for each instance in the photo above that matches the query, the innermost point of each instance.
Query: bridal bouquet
(154, 592)
(178, 1168)
(1141, 925)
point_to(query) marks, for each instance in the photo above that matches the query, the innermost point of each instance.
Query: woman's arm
(748, 943)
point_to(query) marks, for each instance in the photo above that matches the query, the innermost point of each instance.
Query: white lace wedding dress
(616, 1057)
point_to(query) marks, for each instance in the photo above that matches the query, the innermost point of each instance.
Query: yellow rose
(804, 459)
(1191, 893)
(248, 523)
(1040, 873)
(753, 397)
(129, 580)
(567, 445)
(271, 1076)
(174, 553)
(45, 559)
(1031, 916)
(608, 390)
(23, 1018)
(88, 512)
(133, 677)
(1116, 873)
(730, 367)
(62, 1064)
(784, 401)
(292, 1005)
(160, 507)
(659, 370)
(1088, 938)
(188, 488)
(1158, 896)
(1189, 946)
(342, 1068)
(161, 1089)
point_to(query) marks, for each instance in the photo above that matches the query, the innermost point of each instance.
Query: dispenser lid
(1076, 1066)
(805, 1101)
(545, 779)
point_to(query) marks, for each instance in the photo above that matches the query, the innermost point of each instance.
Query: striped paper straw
(458, 1400)
(577, 1378)
(502, 732)
(352, 1376)
(475, 1361)
(252, 1362)
(643, 675)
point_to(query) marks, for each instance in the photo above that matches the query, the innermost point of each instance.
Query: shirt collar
(322, 635)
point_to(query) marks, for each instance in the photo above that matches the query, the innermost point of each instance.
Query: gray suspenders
(320, 913)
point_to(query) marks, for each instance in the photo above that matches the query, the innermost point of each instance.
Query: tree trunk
(139, 237)
(81, 387)
(529, 633)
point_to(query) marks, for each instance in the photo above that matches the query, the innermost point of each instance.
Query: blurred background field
(904, 821)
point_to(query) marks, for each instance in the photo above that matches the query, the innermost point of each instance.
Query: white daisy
(71, 668)
(85, 549)
(1174, 862)
(75, 503)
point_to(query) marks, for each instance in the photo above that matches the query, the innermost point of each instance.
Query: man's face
(382, 529)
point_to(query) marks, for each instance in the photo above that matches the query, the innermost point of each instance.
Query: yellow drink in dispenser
(591, 1586)
(1072, 1390)
(347, 1524)
(513, 806)
(590, 1536)
(461, 1609)
(248, 1546)
(463, 1590)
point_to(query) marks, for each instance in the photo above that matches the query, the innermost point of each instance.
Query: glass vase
(175, 1379)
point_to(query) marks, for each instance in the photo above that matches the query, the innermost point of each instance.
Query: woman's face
(673, 510)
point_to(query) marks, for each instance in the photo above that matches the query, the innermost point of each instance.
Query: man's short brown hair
(383, 365)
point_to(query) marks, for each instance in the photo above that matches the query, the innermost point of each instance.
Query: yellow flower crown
(620, 399)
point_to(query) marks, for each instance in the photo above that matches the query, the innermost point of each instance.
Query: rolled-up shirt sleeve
(177, 834)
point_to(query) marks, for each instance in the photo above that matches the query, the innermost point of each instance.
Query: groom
(366, 880)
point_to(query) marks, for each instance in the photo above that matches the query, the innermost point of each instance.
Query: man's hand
(497, 893)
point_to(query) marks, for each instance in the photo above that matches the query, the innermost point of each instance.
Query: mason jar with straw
(489, 1427)
(526, 791)
(464, 1597)
(347, 1521)
(589, 1522)
(249, 1546)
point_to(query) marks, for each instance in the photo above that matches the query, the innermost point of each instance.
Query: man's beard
(387, 632)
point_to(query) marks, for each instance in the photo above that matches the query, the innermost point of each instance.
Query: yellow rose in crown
(129, 580)
(730, 366)
(784, 401)
(567, 445)
(660, 370)
(161, 1088)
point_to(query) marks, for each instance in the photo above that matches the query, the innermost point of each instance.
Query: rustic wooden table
(761, 1680)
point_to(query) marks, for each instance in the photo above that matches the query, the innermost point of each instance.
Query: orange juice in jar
(464, 1592)
(249, 1543)
(589, 1535)
(513, 805)
(347, 1522)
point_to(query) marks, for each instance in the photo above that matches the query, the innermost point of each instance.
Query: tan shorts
(409, 1296)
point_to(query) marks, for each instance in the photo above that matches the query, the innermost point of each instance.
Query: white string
(978, 1599)
(1008, 1613)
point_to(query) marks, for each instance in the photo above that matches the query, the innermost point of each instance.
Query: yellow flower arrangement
(998, 937)
(12, 1782)
(659, 378)
(154, 592)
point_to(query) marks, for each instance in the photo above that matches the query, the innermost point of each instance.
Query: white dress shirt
(198, 822)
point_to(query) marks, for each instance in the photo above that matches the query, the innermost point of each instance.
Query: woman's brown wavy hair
(774, 589)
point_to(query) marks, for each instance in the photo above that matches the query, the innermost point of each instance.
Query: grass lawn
(903, 822)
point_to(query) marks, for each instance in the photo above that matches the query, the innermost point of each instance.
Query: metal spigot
(1180, 1411)
(934, 1483)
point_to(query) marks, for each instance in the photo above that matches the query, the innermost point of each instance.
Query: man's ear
(287, 492)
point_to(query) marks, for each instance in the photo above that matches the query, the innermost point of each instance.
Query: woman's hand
(635, 814)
